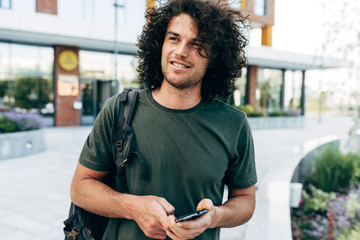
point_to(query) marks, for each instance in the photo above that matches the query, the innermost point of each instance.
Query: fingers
(169, 209)
(205, 204)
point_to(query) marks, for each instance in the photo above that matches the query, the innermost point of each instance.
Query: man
(190, 51)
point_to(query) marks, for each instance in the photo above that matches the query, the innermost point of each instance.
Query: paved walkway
(34, 190)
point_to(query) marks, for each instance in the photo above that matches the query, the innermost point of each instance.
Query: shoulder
(223, 109)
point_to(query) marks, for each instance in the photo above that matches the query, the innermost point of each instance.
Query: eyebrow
(178, 35)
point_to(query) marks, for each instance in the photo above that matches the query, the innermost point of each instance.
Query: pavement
(34, 190)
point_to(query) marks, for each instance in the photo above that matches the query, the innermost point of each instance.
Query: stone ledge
(20, 144)
(276, 122)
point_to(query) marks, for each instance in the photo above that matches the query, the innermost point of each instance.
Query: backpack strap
(128, 99)
(127, 102)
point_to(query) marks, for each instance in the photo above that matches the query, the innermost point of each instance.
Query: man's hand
(151, 216)
(193, 228)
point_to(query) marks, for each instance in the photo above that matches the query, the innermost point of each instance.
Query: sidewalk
(34, 190)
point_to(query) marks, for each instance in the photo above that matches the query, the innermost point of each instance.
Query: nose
(182, 50)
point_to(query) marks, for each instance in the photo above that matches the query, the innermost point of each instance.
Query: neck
(174, 98)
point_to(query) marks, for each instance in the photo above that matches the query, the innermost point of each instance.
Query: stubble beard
(190, 82)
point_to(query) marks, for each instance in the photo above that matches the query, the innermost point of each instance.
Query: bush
(6, 125)
(276, 114)
(333, 171)
(249, 111)
(15, 121)
(355, 159)
(317, 200)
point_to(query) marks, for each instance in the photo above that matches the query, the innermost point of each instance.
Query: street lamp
(116, 6)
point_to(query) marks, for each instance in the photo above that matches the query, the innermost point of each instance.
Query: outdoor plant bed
(330, 206)
(21, 134)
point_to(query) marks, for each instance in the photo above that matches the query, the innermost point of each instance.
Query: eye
(174, 39)
(195, 44)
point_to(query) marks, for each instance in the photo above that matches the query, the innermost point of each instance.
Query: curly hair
(221, 35)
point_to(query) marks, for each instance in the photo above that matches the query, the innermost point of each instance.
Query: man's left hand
(193, 228)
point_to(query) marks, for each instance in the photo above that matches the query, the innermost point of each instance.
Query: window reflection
(5, 4)
(240, 90)
(268, 89)
(26, 81)
(260, 7)
(293, 80)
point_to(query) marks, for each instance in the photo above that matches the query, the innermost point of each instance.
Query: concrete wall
(276, 122)
(20, 144)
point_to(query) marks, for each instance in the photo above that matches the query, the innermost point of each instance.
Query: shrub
(355, 159)
(248, 109)
(317, 200)
(332, 172)
(22, 121)
(6, 125)
(276, 114)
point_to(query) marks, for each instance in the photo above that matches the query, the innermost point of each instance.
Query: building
(64, 58)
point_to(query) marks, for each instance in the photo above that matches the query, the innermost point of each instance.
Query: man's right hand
(150, 213)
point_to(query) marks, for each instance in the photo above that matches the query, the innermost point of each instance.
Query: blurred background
(63, 58)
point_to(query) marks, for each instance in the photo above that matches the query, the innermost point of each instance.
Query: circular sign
(68, 60)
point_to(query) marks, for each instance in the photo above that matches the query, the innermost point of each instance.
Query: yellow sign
(68, 60)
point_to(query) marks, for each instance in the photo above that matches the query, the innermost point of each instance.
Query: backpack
(84, 225)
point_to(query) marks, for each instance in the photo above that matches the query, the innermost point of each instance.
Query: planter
(20, 144)
(276, 122)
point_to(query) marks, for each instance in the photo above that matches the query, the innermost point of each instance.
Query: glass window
(127, 74)
(268, 89)
(96, 65)
(4, 76)
(240, 89)
(32, 69)
(26, 78)
(292, 98)
(236, 4)
(101, 66)
(5, 4)
(24, 5)
(260, 7)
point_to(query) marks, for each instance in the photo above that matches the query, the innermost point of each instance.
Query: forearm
(236, 211)
(97, 197)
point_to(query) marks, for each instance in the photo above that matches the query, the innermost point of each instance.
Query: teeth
(179, 65)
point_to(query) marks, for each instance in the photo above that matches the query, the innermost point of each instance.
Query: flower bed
(20, 134)
(330, 207)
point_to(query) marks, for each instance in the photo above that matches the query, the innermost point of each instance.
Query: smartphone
(191, 216)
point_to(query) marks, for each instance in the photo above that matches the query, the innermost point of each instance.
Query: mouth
(179, 65)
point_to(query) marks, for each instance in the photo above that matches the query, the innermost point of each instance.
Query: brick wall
(67, 91)
(46, 6)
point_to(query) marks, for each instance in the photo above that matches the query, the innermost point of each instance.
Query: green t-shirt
(190, 155)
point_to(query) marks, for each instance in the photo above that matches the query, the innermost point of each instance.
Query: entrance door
(94, 93)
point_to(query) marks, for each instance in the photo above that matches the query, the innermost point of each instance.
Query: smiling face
(181, 63)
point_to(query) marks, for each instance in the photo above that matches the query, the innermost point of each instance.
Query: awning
(268, 57)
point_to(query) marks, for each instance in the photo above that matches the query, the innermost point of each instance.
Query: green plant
(248, 109)
(276, 114)
(317, 200)
(352, 234)
(352, 205)
(332, 171)
(256, 114)
(355, 159)
(7, 125)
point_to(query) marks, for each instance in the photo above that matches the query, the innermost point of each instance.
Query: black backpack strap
(128, 100)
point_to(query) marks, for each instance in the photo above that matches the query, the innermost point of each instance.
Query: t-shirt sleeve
(242, 171)
(97, 153)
